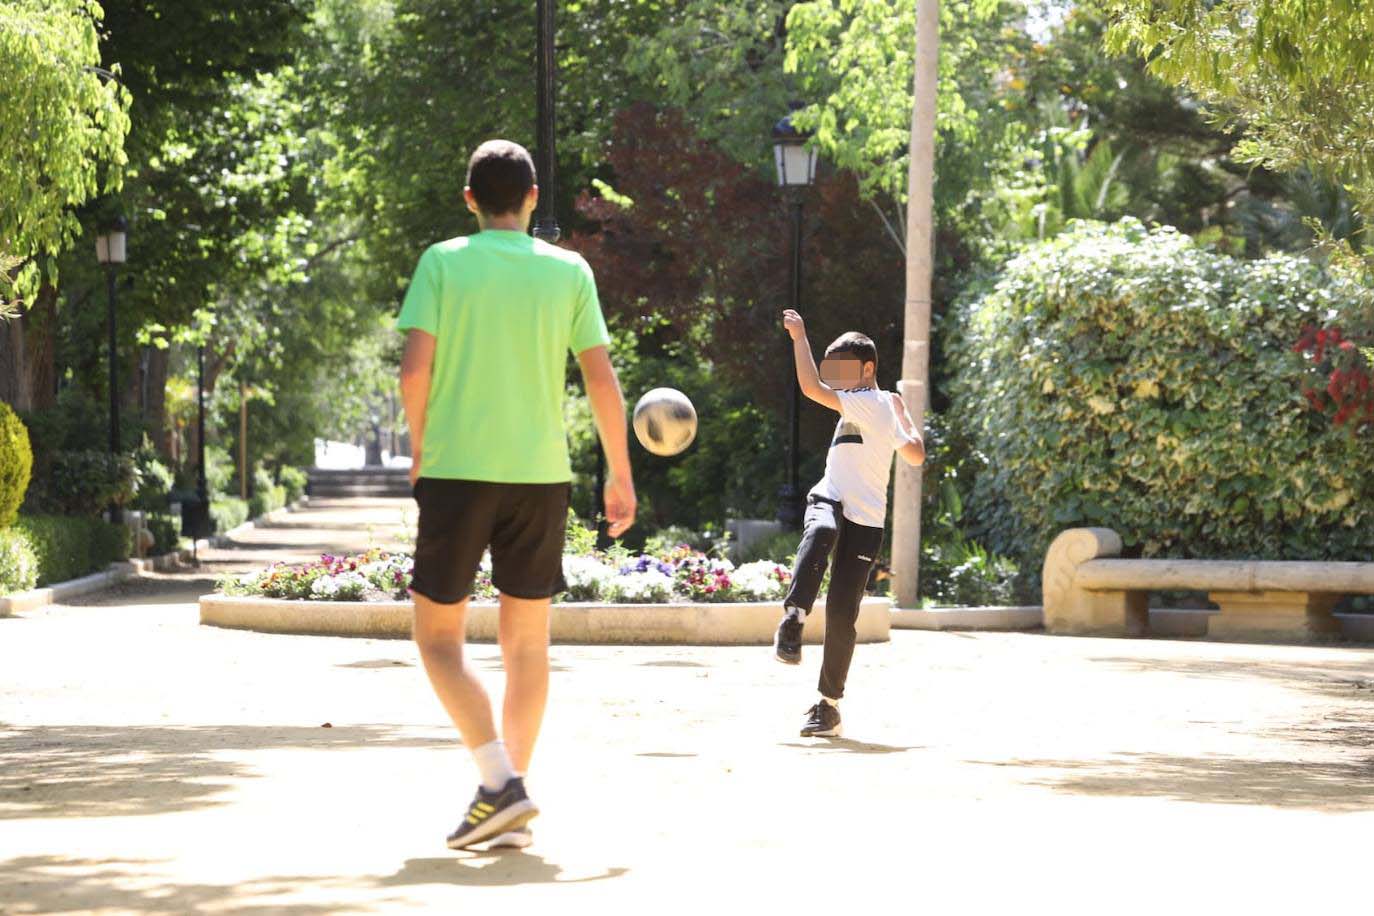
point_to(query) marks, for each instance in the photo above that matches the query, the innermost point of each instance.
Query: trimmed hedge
(228, 513)
(16, 464)
(18, 563)
(1129, 378)
(166, 531)
(85, 483)
(294, 480)
(68, 548)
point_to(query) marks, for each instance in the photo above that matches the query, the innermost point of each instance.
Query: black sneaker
(787, 641)
(822, 721)
(494, 813)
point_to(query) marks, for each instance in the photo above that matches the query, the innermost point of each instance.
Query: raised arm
(914, 451)
(417, 367)
(608, 407)
(807, 376)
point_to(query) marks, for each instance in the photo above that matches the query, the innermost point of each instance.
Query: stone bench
(1088, 589)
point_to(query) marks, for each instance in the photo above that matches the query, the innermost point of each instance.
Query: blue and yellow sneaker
(494, 813)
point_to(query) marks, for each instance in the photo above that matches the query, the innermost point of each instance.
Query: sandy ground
(148, 764)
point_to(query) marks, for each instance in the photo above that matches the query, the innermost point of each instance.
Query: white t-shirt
(860, 459)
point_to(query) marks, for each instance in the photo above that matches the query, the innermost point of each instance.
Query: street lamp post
(545, 220)
(545, 223)
(110, 251)
(796, 168)
(202, 512)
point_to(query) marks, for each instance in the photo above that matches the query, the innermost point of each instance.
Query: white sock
(826, 699)
(796, 613)
(494, 764)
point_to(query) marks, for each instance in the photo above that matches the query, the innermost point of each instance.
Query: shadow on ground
(1335, 786)
(183, 588)
(489, 870)
(97, 771)
(850, 746)
(57, 884)
(1342, 679)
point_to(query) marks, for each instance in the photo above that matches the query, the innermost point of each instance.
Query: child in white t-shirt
(845, 512)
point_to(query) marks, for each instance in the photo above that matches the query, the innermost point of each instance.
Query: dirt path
(148, 764)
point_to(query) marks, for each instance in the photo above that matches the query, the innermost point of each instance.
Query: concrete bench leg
(1273, 615)
(1107, 614)
(1071, 609)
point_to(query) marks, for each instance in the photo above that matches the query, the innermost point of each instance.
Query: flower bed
(681, 575)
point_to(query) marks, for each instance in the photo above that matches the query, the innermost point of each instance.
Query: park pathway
(152, 765)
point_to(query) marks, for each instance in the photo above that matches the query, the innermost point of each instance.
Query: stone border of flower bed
(717, 624)
(59, 592)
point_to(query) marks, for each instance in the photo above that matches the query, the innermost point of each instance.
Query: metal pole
(545, 224)
(243, 440)
(116, 513)
(790, 510)
(202, 488)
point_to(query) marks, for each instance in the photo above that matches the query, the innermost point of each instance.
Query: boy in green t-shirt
(490, 319)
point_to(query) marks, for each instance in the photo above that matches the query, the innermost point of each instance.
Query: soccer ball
(665, 421)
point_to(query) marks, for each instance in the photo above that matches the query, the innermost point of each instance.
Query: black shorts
(524, 524)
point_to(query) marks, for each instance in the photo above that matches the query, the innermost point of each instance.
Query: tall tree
(64, 121)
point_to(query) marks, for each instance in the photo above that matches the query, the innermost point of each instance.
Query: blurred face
(844, 372)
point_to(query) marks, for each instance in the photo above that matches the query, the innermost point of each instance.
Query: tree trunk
(41, 344)
(14, 376)
(914, 387)
(28, 354)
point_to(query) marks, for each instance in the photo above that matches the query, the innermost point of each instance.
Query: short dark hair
(860, 345)
(500, 174)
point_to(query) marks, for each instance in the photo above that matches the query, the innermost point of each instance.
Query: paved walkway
(148, 764)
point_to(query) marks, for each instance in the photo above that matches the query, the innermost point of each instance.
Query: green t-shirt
(505, 310)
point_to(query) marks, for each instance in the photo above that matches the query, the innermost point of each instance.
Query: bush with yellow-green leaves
(16, 463)
(1129, 378)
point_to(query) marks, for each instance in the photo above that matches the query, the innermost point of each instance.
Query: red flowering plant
(1338, 380)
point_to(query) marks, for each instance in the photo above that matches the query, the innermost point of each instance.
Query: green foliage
(68, 548)
(155, 480)
(293, 480)
(265, 499)
(166, 531)
(86, 483)
(579, 539)
(857, 59)
(733, 468)
(780, 548)
(1122, 377)
(64, 125)
(722, 62)
(1297, 73)
(18, 563)
(961, 573)
(219, 471)
(16, 464)
(227, 513)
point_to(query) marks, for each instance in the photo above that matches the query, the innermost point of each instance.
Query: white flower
(757, 581)
(651, 587)
(348, 586)
(586, 577)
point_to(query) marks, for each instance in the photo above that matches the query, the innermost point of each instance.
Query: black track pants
(855, 549)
